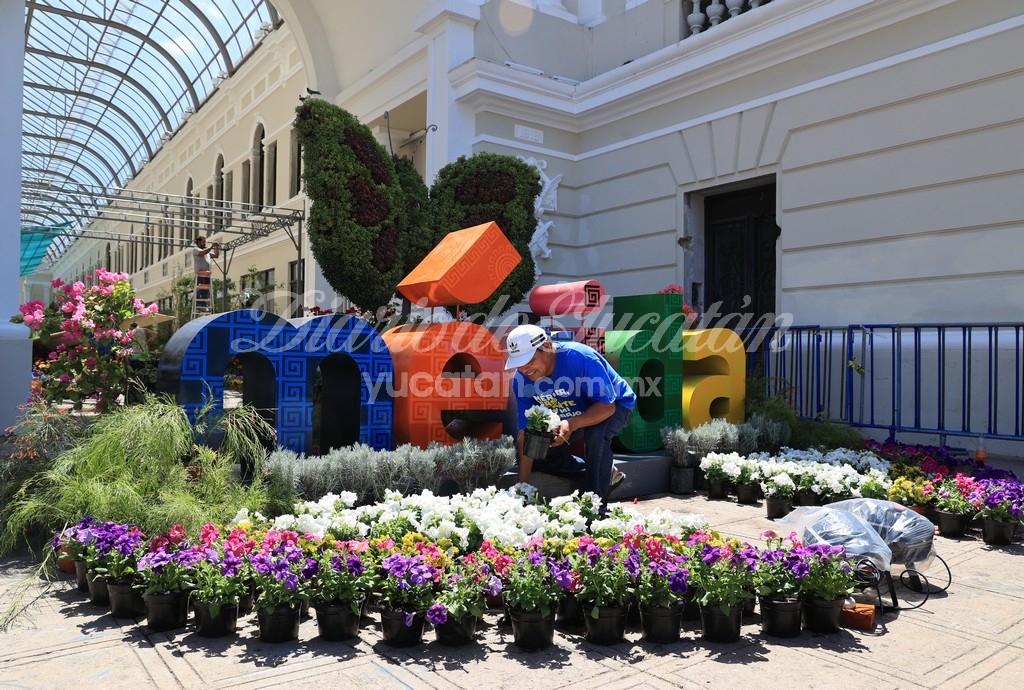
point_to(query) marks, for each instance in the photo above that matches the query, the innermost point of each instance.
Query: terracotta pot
(64, 561)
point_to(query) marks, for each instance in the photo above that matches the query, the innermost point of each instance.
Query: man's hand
(562, 434)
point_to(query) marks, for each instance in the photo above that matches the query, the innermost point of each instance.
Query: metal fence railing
(944, 379)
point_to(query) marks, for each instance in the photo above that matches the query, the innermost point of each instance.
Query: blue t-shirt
(581, 377)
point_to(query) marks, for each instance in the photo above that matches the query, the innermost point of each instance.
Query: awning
(35, 240)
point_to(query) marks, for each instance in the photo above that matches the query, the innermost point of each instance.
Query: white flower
(540, 418)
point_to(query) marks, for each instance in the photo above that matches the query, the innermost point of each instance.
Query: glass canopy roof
(107, 82)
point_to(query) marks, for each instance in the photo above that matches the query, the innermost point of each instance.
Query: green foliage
(140, 465)
(490, 187)
(716, 436)
(827, 435)
(40, 435)
(418, 239)
(772, 434)
(372, 220)
(675, 439)
(370, 473)
(358, 218)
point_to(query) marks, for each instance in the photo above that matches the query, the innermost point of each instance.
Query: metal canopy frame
(108, 82)
(85, 205)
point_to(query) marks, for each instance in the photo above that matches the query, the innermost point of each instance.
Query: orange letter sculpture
(452, 372)
(465, 267)
(446, 372)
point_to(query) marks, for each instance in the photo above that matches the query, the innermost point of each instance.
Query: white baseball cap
(522, 343)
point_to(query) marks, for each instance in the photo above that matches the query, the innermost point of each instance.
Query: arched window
(258, 167)
(295, 176)
(188, 232)
(218, 191)
(271, 169)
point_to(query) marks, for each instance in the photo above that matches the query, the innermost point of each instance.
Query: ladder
(202, 295)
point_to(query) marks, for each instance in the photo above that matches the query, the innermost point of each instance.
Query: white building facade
(835, 161)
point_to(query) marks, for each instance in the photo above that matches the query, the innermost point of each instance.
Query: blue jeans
(596, 467)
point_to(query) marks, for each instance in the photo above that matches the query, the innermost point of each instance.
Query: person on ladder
(201, 255)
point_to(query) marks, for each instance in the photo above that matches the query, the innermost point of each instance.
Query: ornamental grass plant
(142, 464)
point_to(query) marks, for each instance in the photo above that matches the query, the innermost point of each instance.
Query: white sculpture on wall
(547, 200)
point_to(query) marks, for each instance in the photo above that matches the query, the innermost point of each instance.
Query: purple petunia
(437, 614)
(493, 587)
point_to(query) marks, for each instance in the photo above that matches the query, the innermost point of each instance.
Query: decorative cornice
(443, 11)
(745, 45)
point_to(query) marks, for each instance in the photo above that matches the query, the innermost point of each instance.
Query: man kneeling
(593, 401)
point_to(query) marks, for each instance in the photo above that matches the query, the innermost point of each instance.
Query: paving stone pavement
(969, 636)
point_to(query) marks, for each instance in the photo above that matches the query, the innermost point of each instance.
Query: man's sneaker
(617, 479)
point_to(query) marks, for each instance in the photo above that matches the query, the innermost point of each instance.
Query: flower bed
(440, 558)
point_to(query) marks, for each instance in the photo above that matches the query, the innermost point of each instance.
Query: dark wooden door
(739, 260)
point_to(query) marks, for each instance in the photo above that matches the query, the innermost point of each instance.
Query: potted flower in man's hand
(541, 425)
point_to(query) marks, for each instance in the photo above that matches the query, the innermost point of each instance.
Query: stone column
(449, 25)
(15, 347)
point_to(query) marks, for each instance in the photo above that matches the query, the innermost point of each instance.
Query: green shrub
(675, 438)
(772, 434)
(716, 436)
(357, 220)
(489, 187)
(369, 473)
(824, 435)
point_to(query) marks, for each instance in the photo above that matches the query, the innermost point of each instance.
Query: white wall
(15, 347)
